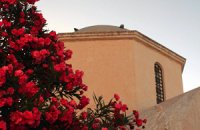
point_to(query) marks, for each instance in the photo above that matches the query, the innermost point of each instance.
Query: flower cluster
(20, 119)
(110, 116)
(38, 89)
(137, 120)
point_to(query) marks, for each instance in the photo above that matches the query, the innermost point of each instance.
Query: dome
(102, 28)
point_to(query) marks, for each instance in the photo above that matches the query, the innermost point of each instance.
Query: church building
(117, 60)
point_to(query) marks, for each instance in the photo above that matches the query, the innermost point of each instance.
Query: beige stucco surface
(108, 67)
(179, 113)
(145, 58)
(123, 63)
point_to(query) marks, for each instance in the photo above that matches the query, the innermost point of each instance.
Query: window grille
(159, 84)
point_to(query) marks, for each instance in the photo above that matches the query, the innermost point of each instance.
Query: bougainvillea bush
(38, 89)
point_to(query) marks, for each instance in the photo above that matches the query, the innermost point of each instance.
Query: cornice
(95, 36)
(123, 35)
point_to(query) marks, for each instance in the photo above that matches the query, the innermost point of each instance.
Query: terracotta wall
(125, 67)
(145, 58)
(108, 67)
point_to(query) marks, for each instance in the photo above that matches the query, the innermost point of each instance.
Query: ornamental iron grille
(159, 83)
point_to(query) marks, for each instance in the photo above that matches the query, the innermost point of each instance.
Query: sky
(173, 23)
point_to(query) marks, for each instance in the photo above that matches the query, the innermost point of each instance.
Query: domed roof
(102, 28)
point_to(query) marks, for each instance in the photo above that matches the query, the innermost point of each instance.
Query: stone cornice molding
(135, 35)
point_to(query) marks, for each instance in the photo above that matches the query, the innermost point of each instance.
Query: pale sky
(173, 23)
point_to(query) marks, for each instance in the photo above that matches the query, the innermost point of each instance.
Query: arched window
(160, 97)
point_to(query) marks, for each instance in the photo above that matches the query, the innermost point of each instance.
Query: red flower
(22, 14)
(28, 116)
(41, 100)
(145, 121)
(68, 54)
(1, 23)
(4, 34)
(2, 125)
(52, 115)
(116, 96)
(118, 106)
(84, 87)
(69, 86)
(16, 117)
(18, 73)
(136, 114)
(29, 71)
(67, 116)
(31, 118)
(54, 100)
(10, 68)
(47, 41)
(37, 22)
(14, 31)
(2, 76)
(79, 74)
(20, 31)
(37, 114)
(7, 24)
(52, 33)
(40, 55)
(124, 107)
(139, 122)
(44, 53)
(11, 58)
(9, 101)
(41, 41)
(35, 39)
(22, 79)
(64, 102)
(22, 20)
(34, 31)
(30, 89)
(60, 67)
(28, 38)
(35, 54)
(73, 103)
(2, 102)
(10, 91)
(84, 115)
(83, 102)
(13, 45)
(20, 43)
